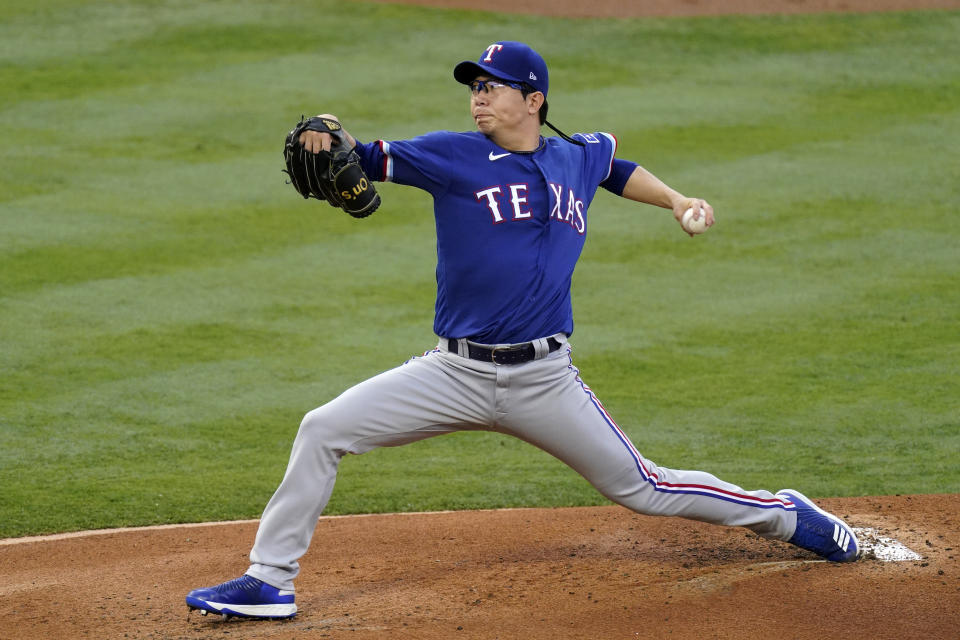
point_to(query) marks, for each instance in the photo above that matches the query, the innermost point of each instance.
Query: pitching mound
(591, 573)
(635, 9)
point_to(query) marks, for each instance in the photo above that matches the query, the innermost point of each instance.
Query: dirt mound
(638, 8)
(599, 572)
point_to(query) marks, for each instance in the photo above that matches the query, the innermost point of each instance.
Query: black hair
(525, 90)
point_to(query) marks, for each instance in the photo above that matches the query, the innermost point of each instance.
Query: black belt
(512, 354)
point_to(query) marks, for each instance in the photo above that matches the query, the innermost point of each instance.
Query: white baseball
(694, 222)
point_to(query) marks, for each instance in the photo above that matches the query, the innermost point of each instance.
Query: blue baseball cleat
(245, 597)
(823, 533)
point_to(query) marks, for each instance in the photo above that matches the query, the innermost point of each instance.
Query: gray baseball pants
(543, 402)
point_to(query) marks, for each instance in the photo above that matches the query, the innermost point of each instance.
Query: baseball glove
(335, 176)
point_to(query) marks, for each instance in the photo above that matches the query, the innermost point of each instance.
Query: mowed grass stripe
(170, 308)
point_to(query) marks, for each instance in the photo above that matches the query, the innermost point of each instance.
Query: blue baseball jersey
(510, 226)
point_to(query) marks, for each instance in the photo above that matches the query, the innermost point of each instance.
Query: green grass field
(169, 308)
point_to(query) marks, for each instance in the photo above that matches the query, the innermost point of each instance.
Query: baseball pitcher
(512, 213)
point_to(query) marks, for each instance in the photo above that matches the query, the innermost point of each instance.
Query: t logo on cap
(508, 61)
(491, 50)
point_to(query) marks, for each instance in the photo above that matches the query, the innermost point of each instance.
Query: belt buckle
(493, 354)
(507, 350)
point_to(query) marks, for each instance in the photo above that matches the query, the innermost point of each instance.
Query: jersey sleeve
(422, 162)
(622, 170)
(601, 148)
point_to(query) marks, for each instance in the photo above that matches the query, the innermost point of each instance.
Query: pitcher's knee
(630, 489)
(321, 428)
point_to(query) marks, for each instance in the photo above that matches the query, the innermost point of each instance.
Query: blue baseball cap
(507, 60)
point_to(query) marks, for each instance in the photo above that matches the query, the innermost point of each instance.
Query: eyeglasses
(490, 85)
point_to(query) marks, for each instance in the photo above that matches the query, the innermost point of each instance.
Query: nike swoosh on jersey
(497, 156)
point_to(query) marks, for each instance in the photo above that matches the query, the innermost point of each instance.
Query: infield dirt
(640, 8)
(524, 574)
(578, 573)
